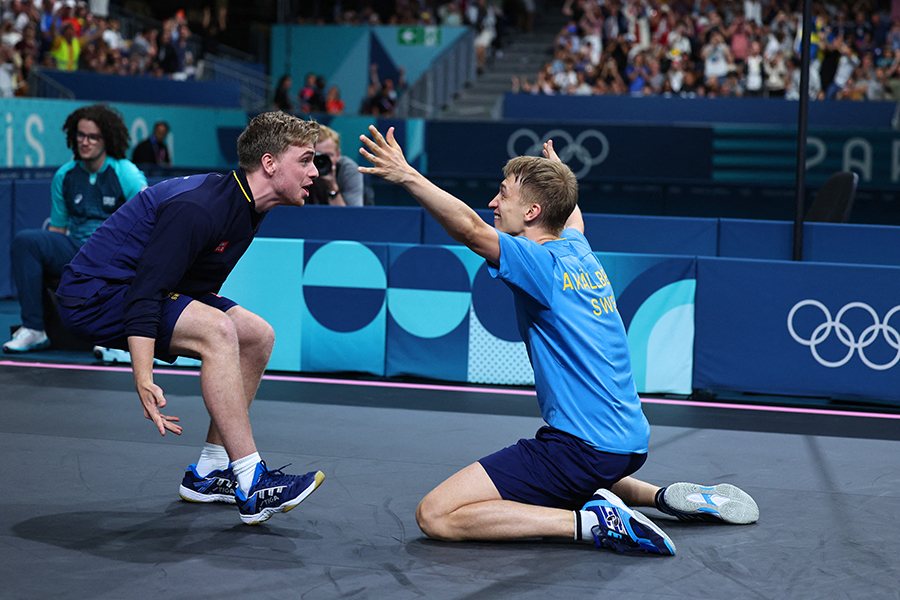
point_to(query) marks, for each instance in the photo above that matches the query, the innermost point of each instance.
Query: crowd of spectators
(721, 48)
(65, 35)
(381, 95)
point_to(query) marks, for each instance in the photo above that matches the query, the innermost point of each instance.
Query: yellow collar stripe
(241, 186)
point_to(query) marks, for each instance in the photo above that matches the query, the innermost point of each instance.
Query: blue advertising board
(809, 329)
(593, 152)
(33, 132)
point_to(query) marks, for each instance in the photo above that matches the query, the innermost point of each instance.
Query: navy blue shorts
(556, 469)
(101, 319)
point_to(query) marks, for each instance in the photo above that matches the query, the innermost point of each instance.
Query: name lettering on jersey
(585, 281)
(221, 247)
(594, 284)
(109, 200)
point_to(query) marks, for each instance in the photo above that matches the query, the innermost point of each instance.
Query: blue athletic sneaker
(723, 503)
(623, 529)
(218, 486)
(274, 491)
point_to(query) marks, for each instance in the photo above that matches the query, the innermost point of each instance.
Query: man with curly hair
(84, 192)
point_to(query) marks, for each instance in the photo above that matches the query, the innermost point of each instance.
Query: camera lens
(323, 163)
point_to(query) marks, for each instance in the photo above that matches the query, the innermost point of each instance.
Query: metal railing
(436, 87)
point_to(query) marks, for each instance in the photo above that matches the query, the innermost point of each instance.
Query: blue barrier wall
(699, 314)
(97, 87)
(433, 311)
(808, 329)
(663, 154)
(660, 110)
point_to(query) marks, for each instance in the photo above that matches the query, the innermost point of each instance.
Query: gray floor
(91, 508)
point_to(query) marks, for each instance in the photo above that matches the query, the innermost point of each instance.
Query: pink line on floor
(464, 389)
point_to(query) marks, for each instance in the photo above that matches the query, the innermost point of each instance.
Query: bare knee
(432, 521)
(256, 336)
(260, 337)
(220, 336)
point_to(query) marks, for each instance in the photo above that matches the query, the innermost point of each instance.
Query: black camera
(323, 163)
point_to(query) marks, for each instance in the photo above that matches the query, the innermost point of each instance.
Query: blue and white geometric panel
(494, 360)
(344, 313)
(428, 305)
(496, 351)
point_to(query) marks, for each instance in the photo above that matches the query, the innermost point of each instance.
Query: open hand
(152, 399)
(386, 157)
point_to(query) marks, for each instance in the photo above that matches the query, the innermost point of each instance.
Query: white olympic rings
(866, 338)
(573, 148)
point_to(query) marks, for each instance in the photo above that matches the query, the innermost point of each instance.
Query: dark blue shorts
(556, 469)
(101, 319)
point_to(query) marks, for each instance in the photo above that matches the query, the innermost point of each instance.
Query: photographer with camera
(339, 182)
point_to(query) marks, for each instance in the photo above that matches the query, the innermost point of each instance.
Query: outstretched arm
(455, 216)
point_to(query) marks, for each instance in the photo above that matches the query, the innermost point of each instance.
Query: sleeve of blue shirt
(182, 231)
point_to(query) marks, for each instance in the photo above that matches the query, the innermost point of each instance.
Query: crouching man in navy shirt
(147, 282)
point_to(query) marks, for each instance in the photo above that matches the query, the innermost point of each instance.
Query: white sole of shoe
(192, 496)
(732, 504)
(266, 513)
(639, 517)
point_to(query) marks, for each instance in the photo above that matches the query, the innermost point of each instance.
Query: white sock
(584, 521)
(244, 470)
(212, 458)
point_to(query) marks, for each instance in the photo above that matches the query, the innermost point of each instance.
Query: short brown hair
(273, 133)
(548, 183)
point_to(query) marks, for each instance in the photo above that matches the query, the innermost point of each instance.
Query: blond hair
(327, 133)
(273, 133)
(548, 183)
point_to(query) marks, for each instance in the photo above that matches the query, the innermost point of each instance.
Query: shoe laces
(273, 473)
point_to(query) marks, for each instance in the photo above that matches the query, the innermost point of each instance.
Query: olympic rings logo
(866, 338)
(573, 148)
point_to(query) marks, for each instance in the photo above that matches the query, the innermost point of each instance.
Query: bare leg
(467, 506)
(213, 336)
(256, 340)
(635, 492)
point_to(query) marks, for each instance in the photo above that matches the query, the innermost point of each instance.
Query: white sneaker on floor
(27, 340)
(723, 502)
(111, 355)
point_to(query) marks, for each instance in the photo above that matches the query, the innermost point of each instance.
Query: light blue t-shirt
(576, 341)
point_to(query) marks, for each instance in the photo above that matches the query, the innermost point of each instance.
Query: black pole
(801, 129)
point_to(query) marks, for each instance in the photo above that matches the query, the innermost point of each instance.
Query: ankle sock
(660, 501)
(212, 458)
(584, 521)
(245, 470)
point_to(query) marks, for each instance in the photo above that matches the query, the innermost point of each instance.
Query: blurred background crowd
(723, 48)
(689, 48)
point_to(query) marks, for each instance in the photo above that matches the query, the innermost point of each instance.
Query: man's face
(294, 174)
(329, 147)
(89, 141)
(160, 132)
(509, 210)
